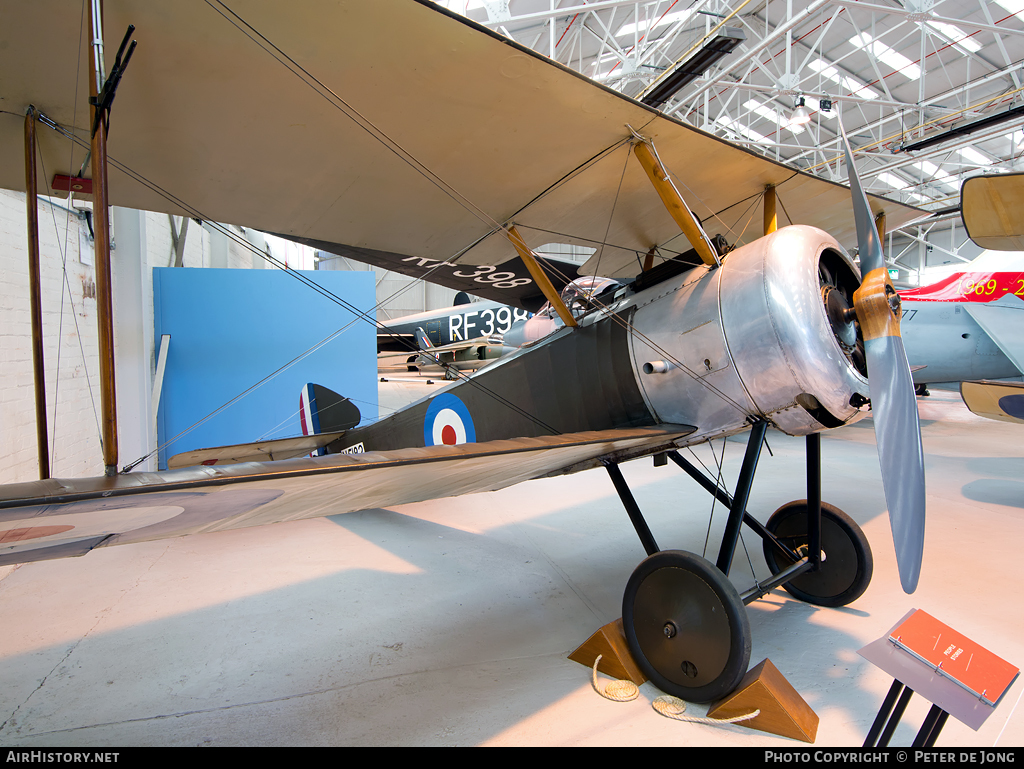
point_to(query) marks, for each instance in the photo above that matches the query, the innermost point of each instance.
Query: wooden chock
(783, 710)
(616, 661)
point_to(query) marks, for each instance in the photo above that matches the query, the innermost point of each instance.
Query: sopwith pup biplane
(445, 144)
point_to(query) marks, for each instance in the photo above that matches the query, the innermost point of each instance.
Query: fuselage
(949, 345)
(708, 348)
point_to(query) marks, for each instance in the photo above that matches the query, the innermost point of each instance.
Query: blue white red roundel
(448, 422)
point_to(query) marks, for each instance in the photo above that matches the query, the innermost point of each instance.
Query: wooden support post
(539, 276)
(35, 302)
(101, 228)
(771, 220)
(649, 259)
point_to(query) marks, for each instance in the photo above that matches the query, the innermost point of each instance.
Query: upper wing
(61, 518)
(991, 207)
(388, 125)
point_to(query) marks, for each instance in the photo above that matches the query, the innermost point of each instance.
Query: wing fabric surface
(61, 518)
(422, 142)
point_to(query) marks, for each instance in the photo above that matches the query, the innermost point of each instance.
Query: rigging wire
(357, 117)
(360, 314)
(392, 145)
(611, 216)
(719, 461)
(66, 284)
(245, 244)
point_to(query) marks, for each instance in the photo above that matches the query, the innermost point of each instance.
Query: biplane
(451, 151)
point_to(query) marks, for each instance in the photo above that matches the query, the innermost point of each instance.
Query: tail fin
(422, 340)
(324, 411)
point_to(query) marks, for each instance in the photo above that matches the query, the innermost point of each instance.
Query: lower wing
(60, 518)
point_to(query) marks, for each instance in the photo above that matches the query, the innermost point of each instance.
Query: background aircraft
(461, 322)
(992, 208)
(463, 337)
(969, 325)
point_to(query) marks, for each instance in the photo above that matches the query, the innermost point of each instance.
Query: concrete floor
(449, 622)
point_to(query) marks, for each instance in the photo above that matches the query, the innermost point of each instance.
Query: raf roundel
(448, 422)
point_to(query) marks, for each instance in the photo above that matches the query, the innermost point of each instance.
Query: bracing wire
(392, 145)
(333, 98)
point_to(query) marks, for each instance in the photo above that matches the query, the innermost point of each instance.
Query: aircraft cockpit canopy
(583, 295)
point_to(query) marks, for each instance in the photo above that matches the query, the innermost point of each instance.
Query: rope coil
(666, 705)
(673, 707)
(617, 691)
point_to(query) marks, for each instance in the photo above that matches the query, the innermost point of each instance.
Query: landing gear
(846, 564)
(686, 626)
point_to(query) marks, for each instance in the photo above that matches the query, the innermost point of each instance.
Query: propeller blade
(900, 455)
(893, 401)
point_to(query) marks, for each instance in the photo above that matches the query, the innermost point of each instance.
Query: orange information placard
(955, 656)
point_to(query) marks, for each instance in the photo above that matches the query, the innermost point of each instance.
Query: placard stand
(957, 675)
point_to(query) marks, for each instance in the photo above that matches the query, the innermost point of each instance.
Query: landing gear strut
(685, 623)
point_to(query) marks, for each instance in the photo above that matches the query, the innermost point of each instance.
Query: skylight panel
(937, 175)
(955, 35)
(892, 181)
(1015, 7)
(461, 6)
(889, 56)
(855, 87)
(772, 115)
(972, 155)
(632, 27)
(737, 127)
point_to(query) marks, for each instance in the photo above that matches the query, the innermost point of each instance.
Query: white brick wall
(72, 421)
(75, 451)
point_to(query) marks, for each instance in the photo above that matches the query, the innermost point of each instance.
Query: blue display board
(230, 329)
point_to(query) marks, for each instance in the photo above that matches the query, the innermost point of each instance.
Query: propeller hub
(841, 316)
(894, 300)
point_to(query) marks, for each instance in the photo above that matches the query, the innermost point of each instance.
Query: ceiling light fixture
(801, 115)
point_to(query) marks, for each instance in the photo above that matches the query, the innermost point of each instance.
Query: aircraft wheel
(451, 373)
(686, 626)
(847, 564)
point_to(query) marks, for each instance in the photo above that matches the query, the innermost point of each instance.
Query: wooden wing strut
(677, 208)
(539, 276)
